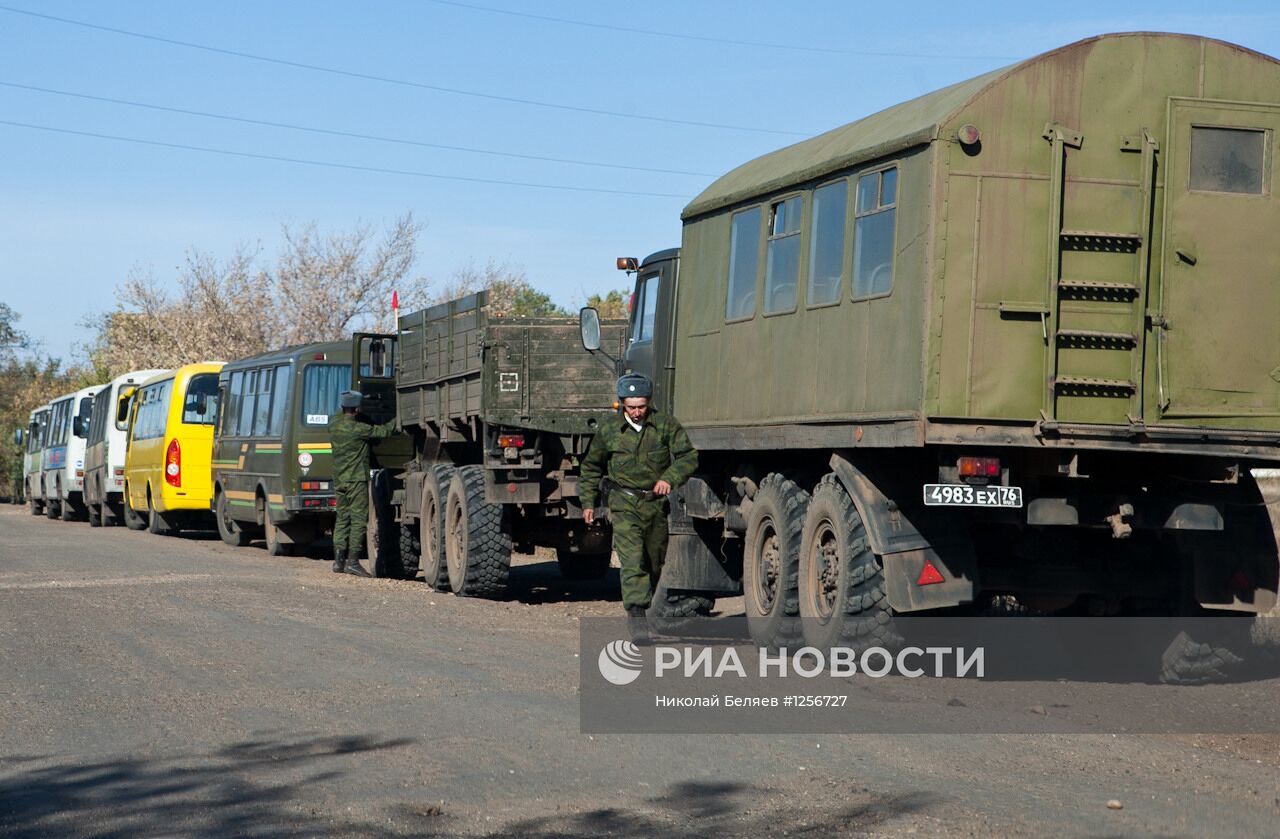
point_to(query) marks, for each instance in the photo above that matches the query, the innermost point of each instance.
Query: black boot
(339, 560)
(354, 568)
(638, 625)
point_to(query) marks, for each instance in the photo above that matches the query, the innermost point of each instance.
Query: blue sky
(77, 213)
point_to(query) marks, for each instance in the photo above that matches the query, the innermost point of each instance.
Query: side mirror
(77, 426)
(18, 436)
(377, 358)
(122, 405)
(202, 403)
(589, 328)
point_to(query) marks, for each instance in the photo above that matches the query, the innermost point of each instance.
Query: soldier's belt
(642, 494)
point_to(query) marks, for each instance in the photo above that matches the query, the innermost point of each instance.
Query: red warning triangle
(929, 575)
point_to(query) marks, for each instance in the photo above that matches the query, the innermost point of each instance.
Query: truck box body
(460, 362)
(1085, 272)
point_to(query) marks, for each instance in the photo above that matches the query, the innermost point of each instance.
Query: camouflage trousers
(640, 540)
(353, 517)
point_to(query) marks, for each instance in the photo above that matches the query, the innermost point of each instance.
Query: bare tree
(509, 289)
(323, 288)
(329, 285)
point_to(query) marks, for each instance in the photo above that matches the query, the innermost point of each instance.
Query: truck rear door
(1216, 324)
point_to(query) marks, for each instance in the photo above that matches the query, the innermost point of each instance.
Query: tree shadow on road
(234, 791)
(709, 810)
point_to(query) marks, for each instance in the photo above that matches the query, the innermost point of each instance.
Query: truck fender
(906, 543)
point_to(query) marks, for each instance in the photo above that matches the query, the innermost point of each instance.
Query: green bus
(272, 460)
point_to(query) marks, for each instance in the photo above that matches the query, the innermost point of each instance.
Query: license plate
(964, 495)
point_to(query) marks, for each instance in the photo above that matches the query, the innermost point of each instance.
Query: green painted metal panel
(1026, 265)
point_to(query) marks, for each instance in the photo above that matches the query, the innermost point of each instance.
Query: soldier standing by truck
(351, 438)
(639, 457)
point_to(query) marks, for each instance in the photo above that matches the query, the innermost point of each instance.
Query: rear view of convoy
(496, 413)
(1016, 338)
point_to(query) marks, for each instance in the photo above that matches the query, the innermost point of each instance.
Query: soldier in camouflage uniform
(644, 455)
(351, 437)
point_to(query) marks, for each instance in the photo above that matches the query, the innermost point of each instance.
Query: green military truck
(272, 459)
(1015, 338)
(500, 410)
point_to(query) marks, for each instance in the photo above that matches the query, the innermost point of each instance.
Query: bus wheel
(477, 538)
(33, 504)
(94, 512)
(842, 591)
(156, 522)
(132, 518)
(771, 560)
(276, 544)
(228, 528)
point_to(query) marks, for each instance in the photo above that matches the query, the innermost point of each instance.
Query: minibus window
(280, 400)
(321, 384)
(200, 405)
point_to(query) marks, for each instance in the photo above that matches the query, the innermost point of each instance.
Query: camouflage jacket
(660, 451)
(351, 438)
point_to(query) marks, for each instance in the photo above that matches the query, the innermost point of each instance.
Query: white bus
(105, 447)
(62, 466)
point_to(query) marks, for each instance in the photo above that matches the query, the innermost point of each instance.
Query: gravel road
(159, 686)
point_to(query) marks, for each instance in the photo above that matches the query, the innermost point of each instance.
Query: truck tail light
(314, 485)
(511, 441)
(118, 471)
(979, 467)
(173, 463)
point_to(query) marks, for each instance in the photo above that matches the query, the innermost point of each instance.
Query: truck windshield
(321, 384)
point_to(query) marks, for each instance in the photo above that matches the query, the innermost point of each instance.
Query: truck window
(200, 405)
(321, 384)
(826, 244)
(782, 258)
(279, 401)
(1227, 160)
(646, 313)
(873, 233)
(744, 262)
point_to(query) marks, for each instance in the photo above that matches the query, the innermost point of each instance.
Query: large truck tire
(477, 538)
(1215, 655)
(409, 551)
(842, 591)
(231, 531)
(770, 570)
(673, 610)
(431, 527)
(382, 536)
